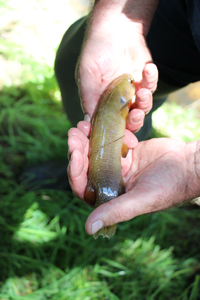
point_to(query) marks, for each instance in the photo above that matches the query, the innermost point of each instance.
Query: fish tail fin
(108, 232)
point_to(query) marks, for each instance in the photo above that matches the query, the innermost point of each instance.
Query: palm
(157, 167)
(114, 57)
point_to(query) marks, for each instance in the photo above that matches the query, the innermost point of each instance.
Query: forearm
(139, 12)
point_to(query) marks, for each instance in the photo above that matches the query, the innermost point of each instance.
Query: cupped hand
(78, 151)
(155, 174)
(111, 48)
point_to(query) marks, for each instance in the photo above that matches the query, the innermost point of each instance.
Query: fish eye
(122, 101)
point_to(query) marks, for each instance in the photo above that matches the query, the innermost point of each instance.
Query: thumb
(127, 206)
(88, 79)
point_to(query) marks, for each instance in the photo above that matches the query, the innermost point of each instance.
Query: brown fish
(107, 145)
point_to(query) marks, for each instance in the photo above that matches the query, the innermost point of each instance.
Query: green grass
(45, 252)
(174, 121)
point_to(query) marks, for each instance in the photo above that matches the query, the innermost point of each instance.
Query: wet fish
(107, 146)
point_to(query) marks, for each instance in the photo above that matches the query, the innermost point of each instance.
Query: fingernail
(96, 226)
(87, 118)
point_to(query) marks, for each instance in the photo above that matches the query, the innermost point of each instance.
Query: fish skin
(106, 142)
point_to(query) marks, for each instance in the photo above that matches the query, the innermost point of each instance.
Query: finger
(74, 143)
(135, 120)
(124, 208)
(77, 139)
(87, 118)
(85, 127)
(77, 172)
(144, 100)
(130, 139)
(149, 78)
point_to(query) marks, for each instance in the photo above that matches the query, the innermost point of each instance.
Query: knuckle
(151, 84)
(70, 132)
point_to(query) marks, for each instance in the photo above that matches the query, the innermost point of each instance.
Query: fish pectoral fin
(90, 195)
(125, 109)
(124, 150)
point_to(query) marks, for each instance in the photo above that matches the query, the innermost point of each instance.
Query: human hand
(157, 174)
(113, 46)
(78, 151)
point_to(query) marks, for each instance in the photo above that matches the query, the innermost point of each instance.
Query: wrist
(193, 169)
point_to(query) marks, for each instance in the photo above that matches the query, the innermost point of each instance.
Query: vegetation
(45, 252)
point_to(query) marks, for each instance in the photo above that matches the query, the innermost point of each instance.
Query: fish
(107, 145)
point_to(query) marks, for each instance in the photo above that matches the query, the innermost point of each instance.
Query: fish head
(126, 90)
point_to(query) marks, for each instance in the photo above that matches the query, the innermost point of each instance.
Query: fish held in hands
(107, 146)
